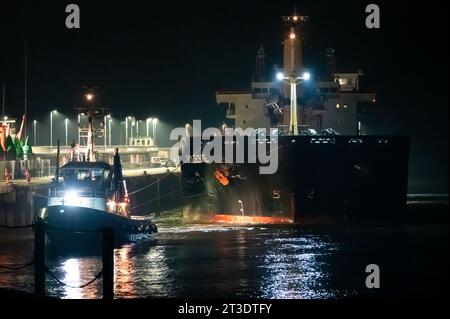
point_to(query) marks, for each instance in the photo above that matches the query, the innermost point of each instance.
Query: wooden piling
(108, 263)
(158, 190)
(39, 258)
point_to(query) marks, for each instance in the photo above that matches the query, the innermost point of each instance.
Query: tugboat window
(106, 175)
(69, 175)
(84, 175)
(97, 174)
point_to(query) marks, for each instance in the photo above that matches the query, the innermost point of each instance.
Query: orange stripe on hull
(234, 219)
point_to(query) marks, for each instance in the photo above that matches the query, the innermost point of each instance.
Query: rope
(39, 195)
(70, 286)
(17, 227)
(155, 182)
(160, 179)
(17, 267)
(148, 202)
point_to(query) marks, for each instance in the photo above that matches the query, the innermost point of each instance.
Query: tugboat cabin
(90, 185)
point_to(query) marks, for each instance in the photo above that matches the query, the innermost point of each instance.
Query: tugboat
(88, 195)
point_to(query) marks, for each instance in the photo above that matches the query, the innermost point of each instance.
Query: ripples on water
(204, 261)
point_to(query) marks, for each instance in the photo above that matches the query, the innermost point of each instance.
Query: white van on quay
(155, 161)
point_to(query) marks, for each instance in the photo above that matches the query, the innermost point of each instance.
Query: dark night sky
(167, 59)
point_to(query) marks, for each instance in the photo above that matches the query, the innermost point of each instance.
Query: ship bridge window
(261, 90)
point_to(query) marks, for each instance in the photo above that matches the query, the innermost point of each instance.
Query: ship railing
(97, 193)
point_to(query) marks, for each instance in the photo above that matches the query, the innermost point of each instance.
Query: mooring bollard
(39, 258)
(108, 263)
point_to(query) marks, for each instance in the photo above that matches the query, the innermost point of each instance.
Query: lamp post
(133, 123)
(35, 132)
(79, 127)
(154, 122)
(122, 124)
(51, 128)
(66, 122)
(104, 128)
(147, 122)
(126, 130)
(109, 131)
(293, 80)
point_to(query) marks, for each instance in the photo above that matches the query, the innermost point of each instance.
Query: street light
(146, 123)
(79, 127)
(35, 131)
(154, 121)
(122, 124)
(104, 127)
(51, 127)
(126, 129)
(109, 131)
(293, 80)
(66, 122)
(133, 123)
(137, 128)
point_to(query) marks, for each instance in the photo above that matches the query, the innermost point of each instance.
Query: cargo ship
(328, 162)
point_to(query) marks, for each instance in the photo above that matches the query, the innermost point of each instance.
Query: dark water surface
(209, 261)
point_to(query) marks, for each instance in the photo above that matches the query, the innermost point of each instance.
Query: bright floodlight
(71, 198)
(306, 76)
(292, 35)
(280, 76)
(89, 96)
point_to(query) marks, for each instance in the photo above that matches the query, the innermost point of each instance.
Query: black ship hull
(68, 226)
(317, 176)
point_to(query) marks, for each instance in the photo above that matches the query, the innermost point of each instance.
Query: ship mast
(293, 62)
(91, 110)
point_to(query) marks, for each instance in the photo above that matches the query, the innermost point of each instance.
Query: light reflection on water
(209, 261)
(204, 261)
(71, 270)
(294, 269)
